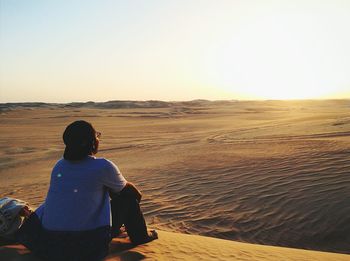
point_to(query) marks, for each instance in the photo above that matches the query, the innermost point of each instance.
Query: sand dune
(174, 246)
(272, 172)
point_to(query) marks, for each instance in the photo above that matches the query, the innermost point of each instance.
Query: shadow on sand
(120, 249)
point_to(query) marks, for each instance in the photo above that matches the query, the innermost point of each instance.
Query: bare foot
(152, 235)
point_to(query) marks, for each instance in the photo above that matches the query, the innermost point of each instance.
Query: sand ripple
(298, 202)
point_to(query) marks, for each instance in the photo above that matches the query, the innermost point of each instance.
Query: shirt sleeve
(113, 178)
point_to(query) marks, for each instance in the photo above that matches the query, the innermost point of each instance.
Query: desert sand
(175, 246)
(262, 172)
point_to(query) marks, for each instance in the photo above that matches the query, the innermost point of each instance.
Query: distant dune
(117, 104)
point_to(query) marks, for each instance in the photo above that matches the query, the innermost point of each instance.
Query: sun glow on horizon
(174, 50)
(284, 56)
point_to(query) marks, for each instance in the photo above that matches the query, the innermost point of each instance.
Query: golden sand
(272, 172)
(175, 246)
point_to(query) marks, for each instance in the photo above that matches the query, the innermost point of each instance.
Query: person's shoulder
(103, 162)
(59, 165)
(60, 162)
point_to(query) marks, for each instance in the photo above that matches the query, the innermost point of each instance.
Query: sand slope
(175, 246)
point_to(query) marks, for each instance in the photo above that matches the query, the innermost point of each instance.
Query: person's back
(78, 197)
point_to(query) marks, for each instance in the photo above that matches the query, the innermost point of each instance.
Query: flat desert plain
(265, 172)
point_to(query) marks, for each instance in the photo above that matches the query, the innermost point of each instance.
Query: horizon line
(176, 101)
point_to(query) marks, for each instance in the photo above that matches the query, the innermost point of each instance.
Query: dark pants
(126, 210)
(91, 245)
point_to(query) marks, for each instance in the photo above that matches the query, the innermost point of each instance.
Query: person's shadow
(120, 249)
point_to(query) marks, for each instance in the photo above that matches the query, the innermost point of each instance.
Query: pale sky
(70, 50)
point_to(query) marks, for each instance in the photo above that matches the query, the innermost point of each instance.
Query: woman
(74, 221)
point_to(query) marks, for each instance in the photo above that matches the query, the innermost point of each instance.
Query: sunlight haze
(63, 51)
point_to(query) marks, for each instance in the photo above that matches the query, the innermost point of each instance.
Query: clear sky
(69, 50)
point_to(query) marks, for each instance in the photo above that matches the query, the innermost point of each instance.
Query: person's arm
(112, 178)
(131, 191)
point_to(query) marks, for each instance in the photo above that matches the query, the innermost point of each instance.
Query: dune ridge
(175, 246)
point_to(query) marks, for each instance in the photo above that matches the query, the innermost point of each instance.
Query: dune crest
(175, 246)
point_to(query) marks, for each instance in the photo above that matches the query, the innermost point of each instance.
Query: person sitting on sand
(74, 221)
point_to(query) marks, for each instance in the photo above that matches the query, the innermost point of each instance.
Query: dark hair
(80, 140)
